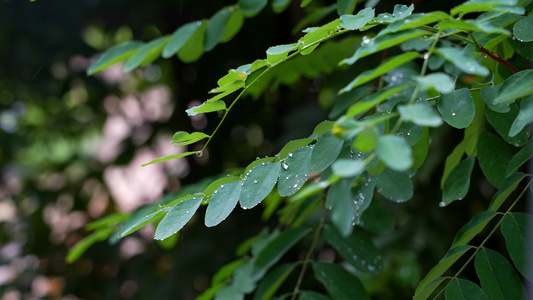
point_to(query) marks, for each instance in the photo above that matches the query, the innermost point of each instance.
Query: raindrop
(187, 212)
(255, 180)
(366, 40)
(453, 114)
(442, 204)
(287, 177)
(199, 153)
(285, 166)
(257, 158)
(262, 163)
(290, 154)
(221, 186)
(216, 191)
(426, 55)
(295, 185)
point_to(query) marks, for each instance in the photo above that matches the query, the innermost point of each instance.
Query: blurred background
(72, 148)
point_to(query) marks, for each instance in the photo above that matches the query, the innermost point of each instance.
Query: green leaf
(441, 82)
(358, 21)
(524, 117)
(520, 158)
(515, 228)
(394, 152)
(481, 6)
(339, 200)
(345, 6)
(507, 188)
(206, 107)
(348, 167)
(325, 152)
(146, 54)
(457, 108)
(458, 182)
(114, 55)
(272, 281)
(226, 271)
(344, 100)
(276, 54)
(453, 159)
(222, 203)
(169, 157)
(215, 28)
(137, 220)
(276, 248)
(230, 292)
(193, 48)
(213, 186)
(310, 295)
(464, 289)
(385, 67)
(416, 21)
(503, 125)
(395, 186)
(472, 228)
(494, 156)
(516, 86)
(377, 218)
(278, 6)
(295, 171)
(210, 293)
(293, 145)
(107, 221)
(182, 138)
(251, 7)
(233, 26)
(179, 38)
(339, 283)
(464, 63)
(258, 183)
(445, 263)
(313, 36)
(382, 42)
(420, 114)
(323, 127)
(420, 149)
(400, 12)
(426, 291)
(488, 94)
(366, 140)
(357, 249)
(472, 26)
(523, 29)
(497, 276)
(373, 100)
(177, 217)
(75, 252)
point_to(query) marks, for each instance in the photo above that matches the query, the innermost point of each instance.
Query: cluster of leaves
(371, 151)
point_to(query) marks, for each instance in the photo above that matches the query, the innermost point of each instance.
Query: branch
(498, 59)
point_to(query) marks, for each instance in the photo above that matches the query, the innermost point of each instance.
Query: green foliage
(378, 140)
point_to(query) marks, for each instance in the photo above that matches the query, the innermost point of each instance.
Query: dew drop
(262, 163)
(285, 166)
(200, 153)
(366, 40)
(290, 154)
(255, 180)
(442, 204)
(221, 186)
(295, 185)
(426, 55)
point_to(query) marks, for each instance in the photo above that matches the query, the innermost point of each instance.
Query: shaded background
(72, 147)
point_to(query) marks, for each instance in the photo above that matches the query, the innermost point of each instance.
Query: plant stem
(307, 259)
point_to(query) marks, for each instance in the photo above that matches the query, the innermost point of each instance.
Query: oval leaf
(394, 152)
(339, 283)
(114, 55)
(523, 29)
(146, 54)
(441, 82)
(420, 114)
(177, 217)
(358, 21)
(215, 28)
(457, 108)
(251, 7)
(464, 63)
(516, 86)
(179, 38)
(458, 182)
(515, 228)
(394, 186)
(222, 203)
(461, 289)
(206, 107)
(348, 167)
(325, 152)
(294, 171)
(258, 183)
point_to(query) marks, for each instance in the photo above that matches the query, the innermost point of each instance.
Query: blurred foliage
(72, 147)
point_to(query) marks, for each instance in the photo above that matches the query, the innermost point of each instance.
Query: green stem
(307, 259)
(487, 238)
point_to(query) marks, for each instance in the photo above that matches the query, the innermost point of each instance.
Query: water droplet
(426, 55)
(285, 166)
(187, 211)
(255, 180)
(290, 154)
(221, 185)
(199, 153)
(366, 40)
(442, 204)
(262, 163)
(453, 114)
(215, 192)
(295, 185)
(287, 177)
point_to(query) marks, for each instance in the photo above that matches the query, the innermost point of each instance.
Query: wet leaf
(114, 55)
(464, 63)
(206, 107)
(339, 283)
(357, 249)
(523, 29)
(258, 183)
(358, 21)
(493, 156)
(395, 186)
(146, 54)
(339, 199)
(177, 217)
(507, 188)
(325, 152)
(345, 6)
(488, 94)
(457, 108)
(193, 48)
(294, 171)
(497, 276)
(377, 218)
(251, 7)
(520, 158)
(222, 203)
(383, 68)
(272, 281)
(382, 42)
(215, 28)
(394, 152)
(169, 157)
(182, 138)
(524, 117)
(472, 228)
(458, 182)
